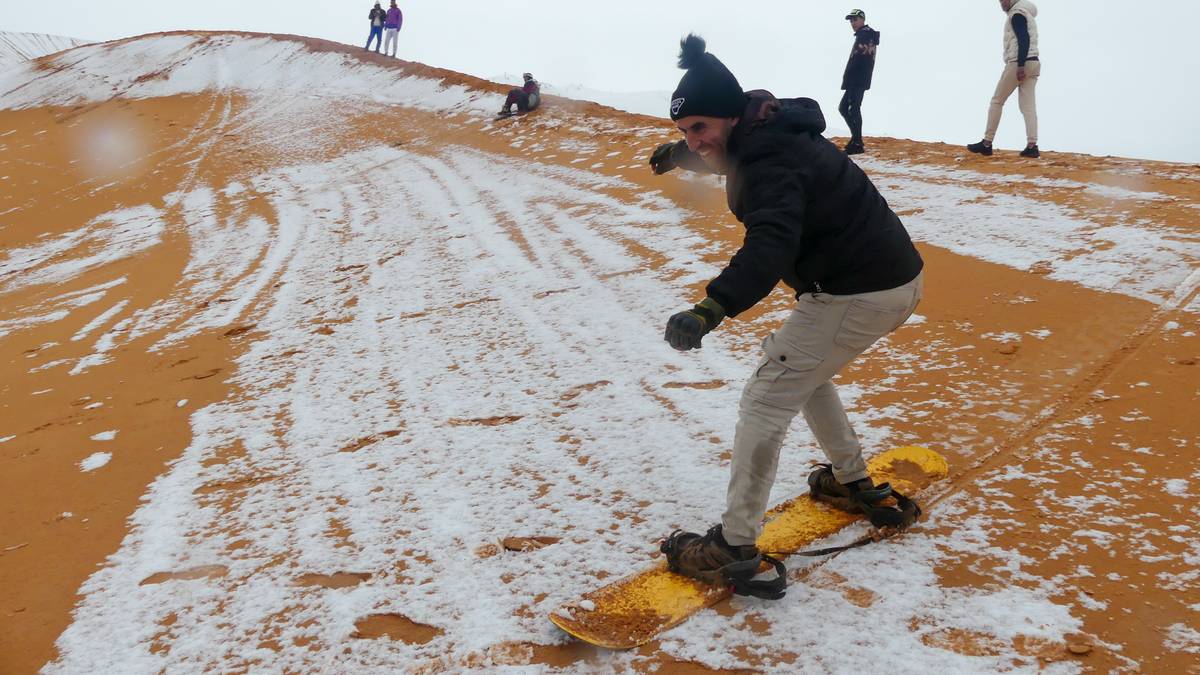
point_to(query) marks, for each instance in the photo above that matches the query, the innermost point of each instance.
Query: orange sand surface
(1097, 412)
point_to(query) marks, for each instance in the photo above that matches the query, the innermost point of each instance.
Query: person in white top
(1022, 66)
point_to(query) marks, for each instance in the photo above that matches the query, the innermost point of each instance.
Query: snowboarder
(1021, 70)
(856, 80)
(526, 97)
(377, 17)
(814, 220)
(391, 28)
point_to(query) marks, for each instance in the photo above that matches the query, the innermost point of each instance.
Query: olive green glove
(686, 329)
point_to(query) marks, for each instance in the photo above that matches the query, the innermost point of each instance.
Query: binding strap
(740, 577)
(904, 513)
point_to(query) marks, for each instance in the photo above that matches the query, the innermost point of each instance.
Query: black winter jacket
(813, 219)
(861, 64)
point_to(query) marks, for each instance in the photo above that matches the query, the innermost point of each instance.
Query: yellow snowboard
(635, 609)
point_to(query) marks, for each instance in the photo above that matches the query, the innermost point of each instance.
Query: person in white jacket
(1022, 66)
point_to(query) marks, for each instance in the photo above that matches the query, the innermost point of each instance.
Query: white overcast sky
(1118, 78)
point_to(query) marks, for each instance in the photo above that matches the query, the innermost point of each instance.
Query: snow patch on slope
(187, 64)
(19, 47)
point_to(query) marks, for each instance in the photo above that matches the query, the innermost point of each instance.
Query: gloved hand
(661, 160)
(687, 328)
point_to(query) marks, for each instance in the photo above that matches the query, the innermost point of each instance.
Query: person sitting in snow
(377, 17)
(527, 97)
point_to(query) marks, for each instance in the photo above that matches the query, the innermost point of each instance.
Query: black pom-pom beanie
(707, 88)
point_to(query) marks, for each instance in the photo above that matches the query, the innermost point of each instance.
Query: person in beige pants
(1022, 67)
(823, 334)
(814, 221)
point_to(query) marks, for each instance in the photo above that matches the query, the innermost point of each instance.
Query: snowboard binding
(824, 488)
(738, 575)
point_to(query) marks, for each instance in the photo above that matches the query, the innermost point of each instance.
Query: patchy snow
(18, 47)
(111, 237)
(472, 376)
(99, 320)
(105, 436)
(95, 461)
(1177, 487)
(486, 361)
(187, 64)
(1182, 638)
(1143, 260)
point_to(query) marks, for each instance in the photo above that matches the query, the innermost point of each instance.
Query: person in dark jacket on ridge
(377, 17)
(856, 80)
(526, 97)
(815, 221)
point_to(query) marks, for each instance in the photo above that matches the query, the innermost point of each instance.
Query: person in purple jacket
(376, 17)
(391, 28)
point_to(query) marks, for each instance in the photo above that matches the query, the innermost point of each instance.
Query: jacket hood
(794, 115)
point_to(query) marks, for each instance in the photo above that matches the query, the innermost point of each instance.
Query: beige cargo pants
(822, 335)
(1026, 99)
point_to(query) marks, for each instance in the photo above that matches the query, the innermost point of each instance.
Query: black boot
(863, 496)
(1031, 150)
(983, 147)
(855, 147)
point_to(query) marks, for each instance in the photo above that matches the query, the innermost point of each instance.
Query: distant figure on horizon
(391, 28)
(1021, 70)
(377, 17)
(857, 78)
(527, 97)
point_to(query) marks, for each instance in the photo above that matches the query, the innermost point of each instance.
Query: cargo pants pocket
(782, 377)
(865, 322)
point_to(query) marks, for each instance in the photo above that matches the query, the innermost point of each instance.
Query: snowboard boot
(1031, 151)
(982, 147)
(855, 148)
(713, 560)
(863, 496)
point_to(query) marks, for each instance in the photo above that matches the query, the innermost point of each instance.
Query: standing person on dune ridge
(391, 28)
(856, 79)
(814, 220)
(1022, 68)
(377, 17)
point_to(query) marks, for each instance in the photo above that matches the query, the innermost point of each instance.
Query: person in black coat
(814, 220)
(856, 80)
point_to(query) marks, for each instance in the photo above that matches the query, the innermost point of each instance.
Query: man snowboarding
(814, 220)
(377, 17)
(1022, 67)
(526, 97)
(856, 80)
(391, 28)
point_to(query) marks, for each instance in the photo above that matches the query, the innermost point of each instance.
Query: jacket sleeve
(683, 158)
(1021, 28)
(773, 204)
